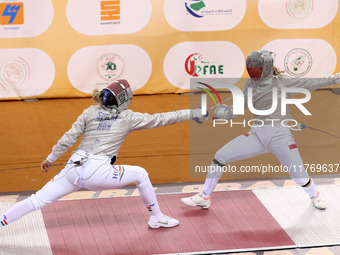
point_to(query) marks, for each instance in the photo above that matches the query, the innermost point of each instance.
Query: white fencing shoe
(197, 200)
(163, 222)
(319, 202)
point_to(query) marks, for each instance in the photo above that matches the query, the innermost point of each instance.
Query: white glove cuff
(196, 113)
(51, 158)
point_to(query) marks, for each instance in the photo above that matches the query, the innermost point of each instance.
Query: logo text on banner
(196, 66)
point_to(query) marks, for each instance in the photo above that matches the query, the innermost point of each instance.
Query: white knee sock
(311, 190)
(16, 212)
(149, 197)
(211, 181)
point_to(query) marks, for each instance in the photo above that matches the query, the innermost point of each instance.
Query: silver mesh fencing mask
(260, 64)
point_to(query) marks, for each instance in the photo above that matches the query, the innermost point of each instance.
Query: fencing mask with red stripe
(260, 64)
(117, 95)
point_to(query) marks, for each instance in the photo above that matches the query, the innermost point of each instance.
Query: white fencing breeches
(266, 139)
(96, 174)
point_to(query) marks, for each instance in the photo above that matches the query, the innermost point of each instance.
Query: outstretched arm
(310, 83)
(144, 120)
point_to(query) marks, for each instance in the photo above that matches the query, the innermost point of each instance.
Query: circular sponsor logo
(110, 66)
(298, 62)
(15, 72)
(299, 9)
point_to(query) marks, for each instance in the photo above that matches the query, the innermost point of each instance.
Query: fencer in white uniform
(267, 138)
(104, 127)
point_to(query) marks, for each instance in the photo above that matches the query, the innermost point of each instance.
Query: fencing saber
(77, 163)
(302, 126)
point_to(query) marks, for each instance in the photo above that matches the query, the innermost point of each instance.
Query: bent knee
(37, 201)
(220, 159)
(142, 174)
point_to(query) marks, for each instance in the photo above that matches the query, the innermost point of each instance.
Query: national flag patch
(121, 172)
(4, 222)
(293, 146)
(149, 207)
(118, 173)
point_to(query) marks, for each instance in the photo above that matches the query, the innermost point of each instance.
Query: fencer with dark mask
(267, 138)
(104, 127)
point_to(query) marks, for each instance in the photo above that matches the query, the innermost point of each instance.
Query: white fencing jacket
(262, 93)
(104, 131)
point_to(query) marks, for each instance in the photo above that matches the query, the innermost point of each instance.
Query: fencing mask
(260, 64)
(117, 95)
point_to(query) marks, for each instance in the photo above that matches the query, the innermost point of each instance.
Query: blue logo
(11, 14)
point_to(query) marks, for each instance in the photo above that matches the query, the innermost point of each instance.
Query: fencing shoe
(197, 200)
(319, 202)
(163, 222)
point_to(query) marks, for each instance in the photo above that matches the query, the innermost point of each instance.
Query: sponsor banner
(219, 59)
(304, 57)
(108, 16)
(183, 39)
(297, 14)
(25, 72)
(204, 15)
(25, 18)
(98, 66)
